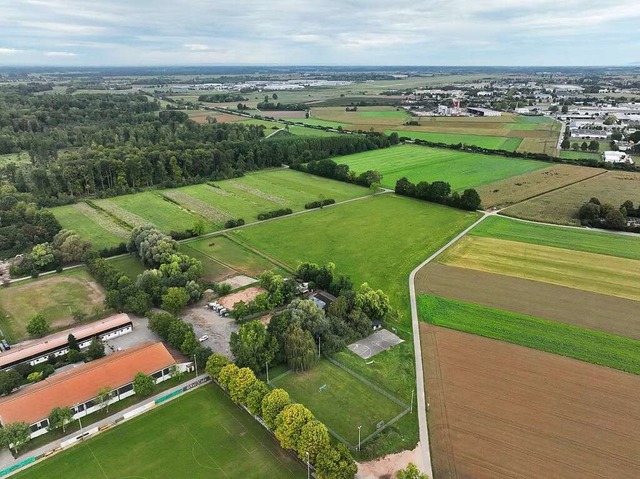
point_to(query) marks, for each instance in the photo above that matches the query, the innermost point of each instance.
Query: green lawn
(418, 163)
(54, 296)
(231, 254)
(199, 435)
(91, 225)
(482, 141)
(569, 238)
(130, 265)
(586, 345)
(577, 155)
(378, 240)
(359, 404)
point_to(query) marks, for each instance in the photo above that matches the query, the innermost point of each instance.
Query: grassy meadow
(418, 163)
(221, 440)
(482, 141)
(569, 238)
(586, 345)
(575, 269)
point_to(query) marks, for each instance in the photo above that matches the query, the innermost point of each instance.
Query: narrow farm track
(425, 450)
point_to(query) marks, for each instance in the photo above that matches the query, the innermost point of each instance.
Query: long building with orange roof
(79, 387)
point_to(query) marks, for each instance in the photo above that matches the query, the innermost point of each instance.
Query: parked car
(203, 338)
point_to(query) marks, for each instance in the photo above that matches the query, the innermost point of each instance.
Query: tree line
(439, 192)
(598, 215)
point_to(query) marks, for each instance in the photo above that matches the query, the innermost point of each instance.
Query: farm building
(322, 299)
(483, 111)
(38, 351)
(617, 157)
(79, 387)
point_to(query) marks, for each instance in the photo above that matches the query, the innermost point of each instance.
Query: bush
(234, 223)
(274, 214)
(319, 204)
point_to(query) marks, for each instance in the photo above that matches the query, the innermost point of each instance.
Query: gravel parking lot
(140, 334)
(207, 322)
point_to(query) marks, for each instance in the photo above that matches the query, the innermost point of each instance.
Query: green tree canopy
(272, 404)
(289, 424)
(253, 346)
(38, 326)
(143, 385)
(299, 348)
(59, 417)
(15, 435)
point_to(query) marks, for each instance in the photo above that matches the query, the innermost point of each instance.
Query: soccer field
(199, 435)
(327, 388)
(419, 163)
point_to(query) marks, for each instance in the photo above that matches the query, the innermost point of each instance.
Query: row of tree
(439, 192)
(599, 215)
(293, 425)
(328, 168)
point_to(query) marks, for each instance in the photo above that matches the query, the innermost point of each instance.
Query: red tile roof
(58, 340)
(34, 403)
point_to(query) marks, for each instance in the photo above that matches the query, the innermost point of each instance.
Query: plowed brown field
(601, 312)
(500, 410)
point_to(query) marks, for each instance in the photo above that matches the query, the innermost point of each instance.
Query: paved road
(6, 459)
(415, 323)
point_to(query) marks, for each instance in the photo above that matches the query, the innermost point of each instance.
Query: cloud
(197, 47)
(60, 54)
(8, 51)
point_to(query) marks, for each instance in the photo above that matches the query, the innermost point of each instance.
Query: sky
(313, 32)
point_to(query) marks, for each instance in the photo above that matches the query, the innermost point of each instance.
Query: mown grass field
(294, 130)
(418, 163)
(578, 155)
(561, 206)
(586, 345)
(482, 141)
(522, 187)
(199, 435)
(54, 296)
(359, 404)
(575, 269)
(109, 221)
(569, 238)
(221, 255)
(129, 265)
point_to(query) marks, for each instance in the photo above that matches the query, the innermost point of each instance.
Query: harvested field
(565, 305)
(561, 206)
(125, 216)
(198, 207)
(257, 192)
(228, 118)
(519, 188)
(574, 269)
(245, 295)
(500, 410)
(284, 114)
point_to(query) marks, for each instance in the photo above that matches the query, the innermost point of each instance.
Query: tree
(594, 145)
(470, 200)
(335, 463)
(215, 363)
(274, 96)
(584, 146)
(227, 374)
(104, 397)
(589, 213)
(272, 405)
(38, 326)
(241, 385)
(566, 144)
(95, 349)
(374, 304)
(314, 437)
(615, 220)
(9, 380)
(253, 347)
(143, 385)
(255, 397)
(189, 345)
(175, 299)
(15, 435)
(565, 109)
(299, 348)
(289, 424)
(411, 472)
(42, 255)
(69, 247)
(59, 417)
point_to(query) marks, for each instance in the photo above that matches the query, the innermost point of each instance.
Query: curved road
(425, 451)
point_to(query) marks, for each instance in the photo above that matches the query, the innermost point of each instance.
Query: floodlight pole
(195, 361)
(359, 427)
(80, 422)
(267, 363)
(308, 467)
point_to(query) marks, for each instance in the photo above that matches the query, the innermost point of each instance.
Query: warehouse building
(79, 387)
(38, 350)
(483, 111)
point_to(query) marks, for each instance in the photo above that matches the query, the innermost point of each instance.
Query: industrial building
(483, 111)
(617, 157)
(79, 387)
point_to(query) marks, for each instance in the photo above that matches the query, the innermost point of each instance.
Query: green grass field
(294, 130)
(573, 239)
(199, 435)
(577, 155)
(316, 122)
(54, 296)
(482, 141)
(418, 163)
(223, 252)
(586, 345)
(378, 240)
(574, 269)
(129, 265)
(359, 403)
(91, 225)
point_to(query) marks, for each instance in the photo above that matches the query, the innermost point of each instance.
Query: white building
(483, 111)
(617, 157)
